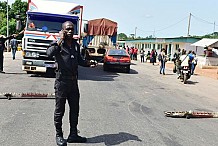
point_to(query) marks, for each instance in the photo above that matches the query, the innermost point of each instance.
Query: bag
(159, 57)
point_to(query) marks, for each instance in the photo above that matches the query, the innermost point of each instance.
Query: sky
(159, 18)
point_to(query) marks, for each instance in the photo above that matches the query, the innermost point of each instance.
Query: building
(170, 44)
(207, 50)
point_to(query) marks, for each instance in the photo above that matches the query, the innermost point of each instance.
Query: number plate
(29, 63)
(50, 65)
(185, 71)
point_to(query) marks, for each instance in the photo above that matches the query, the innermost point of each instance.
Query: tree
(122, 36)
(18, 8)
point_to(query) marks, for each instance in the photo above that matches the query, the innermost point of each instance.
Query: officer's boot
(59, 138)
(75, 138)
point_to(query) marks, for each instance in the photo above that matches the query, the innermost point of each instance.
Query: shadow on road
(169, 74)
(113, 139)
(97, 74)
(191, 82)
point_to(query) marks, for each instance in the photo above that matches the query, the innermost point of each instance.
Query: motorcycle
(185, 73)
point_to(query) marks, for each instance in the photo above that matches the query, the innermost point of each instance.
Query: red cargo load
(102, 27)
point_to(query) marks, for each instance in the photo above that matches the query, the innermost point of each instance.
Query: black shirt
(67, 58)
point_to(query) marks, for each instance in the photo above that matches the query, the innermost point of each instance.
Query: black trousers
(1, 59)
(66, 89)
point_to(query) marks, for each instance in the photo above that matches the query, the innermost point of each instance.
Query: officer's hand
(93, 63)
(62, 34)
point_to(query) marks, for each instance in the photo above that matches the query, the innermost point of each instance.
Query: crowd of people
(180, 58)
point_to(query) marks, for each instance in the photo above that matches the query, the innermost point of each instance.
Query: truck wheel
(28, 72)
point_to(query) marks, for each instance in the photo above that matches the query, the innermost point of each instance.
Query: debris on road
(191, 114)
(32, 95)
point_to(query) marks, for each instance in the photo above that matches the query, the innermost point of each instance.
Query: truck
(43, 23)
(99, 35)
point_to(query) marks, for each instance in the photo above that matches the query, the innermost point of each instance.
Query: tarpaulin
(102, 27)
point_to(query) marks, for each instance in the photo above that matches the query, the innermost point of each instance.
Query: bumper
(116, 64)
(37, 65)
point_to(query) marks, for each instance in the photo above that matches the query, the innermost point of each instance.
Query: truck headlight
(34, 54)
(28, 54)
(31, 54)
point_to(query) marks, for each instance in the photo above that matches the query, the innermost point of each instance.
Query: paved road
(115, 108)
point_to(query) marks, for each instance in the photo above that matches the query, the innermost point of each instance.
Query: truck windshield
(49, 22)
(46, 26)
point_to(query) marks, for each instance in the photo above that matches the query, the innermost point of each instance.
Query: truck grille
(40, 46)
(37, 44)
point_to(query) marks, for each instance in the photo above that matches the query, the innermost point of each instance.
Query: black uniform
(177, 62)
(66, 86)
(2, 47)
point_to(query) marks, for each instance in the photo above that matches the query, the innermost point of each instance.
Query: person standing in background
(14, 46)
(2, 48)
(194, 62)
(142, 55)
(162, 59)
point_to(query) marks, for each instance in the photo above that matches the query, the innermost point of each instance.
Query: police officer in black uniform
(67, 55)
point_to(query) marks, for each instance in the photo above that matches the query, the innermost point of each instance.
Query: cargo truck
(43, 23)
(99, 35)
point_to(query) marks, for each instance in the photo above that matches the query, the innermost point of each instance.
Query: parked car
(117, 58)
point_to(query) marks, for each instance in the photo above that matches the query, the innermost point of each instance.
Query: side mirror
(85, 28)
(18, 22)
(18, 25)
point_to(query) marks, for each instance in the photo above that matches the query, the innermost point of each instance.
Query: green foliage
(17, 8)
(122, 36)
(211, 36)
(3, 7)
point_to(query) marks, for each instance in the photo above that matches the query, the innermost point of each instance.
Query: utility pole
(154, 33)
(135, 32)
(7, 29)
(214, 27)
(189, 23)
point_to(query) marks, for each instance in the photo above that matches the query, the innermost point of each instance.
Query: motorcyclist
(186, 60)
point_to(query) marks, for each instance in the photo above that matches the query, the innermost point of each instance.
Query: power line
(164, 27)
(202, 20)
(172, 24)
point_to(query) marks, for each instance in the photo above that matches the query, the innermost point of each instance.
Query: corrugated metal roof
(205, 42)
